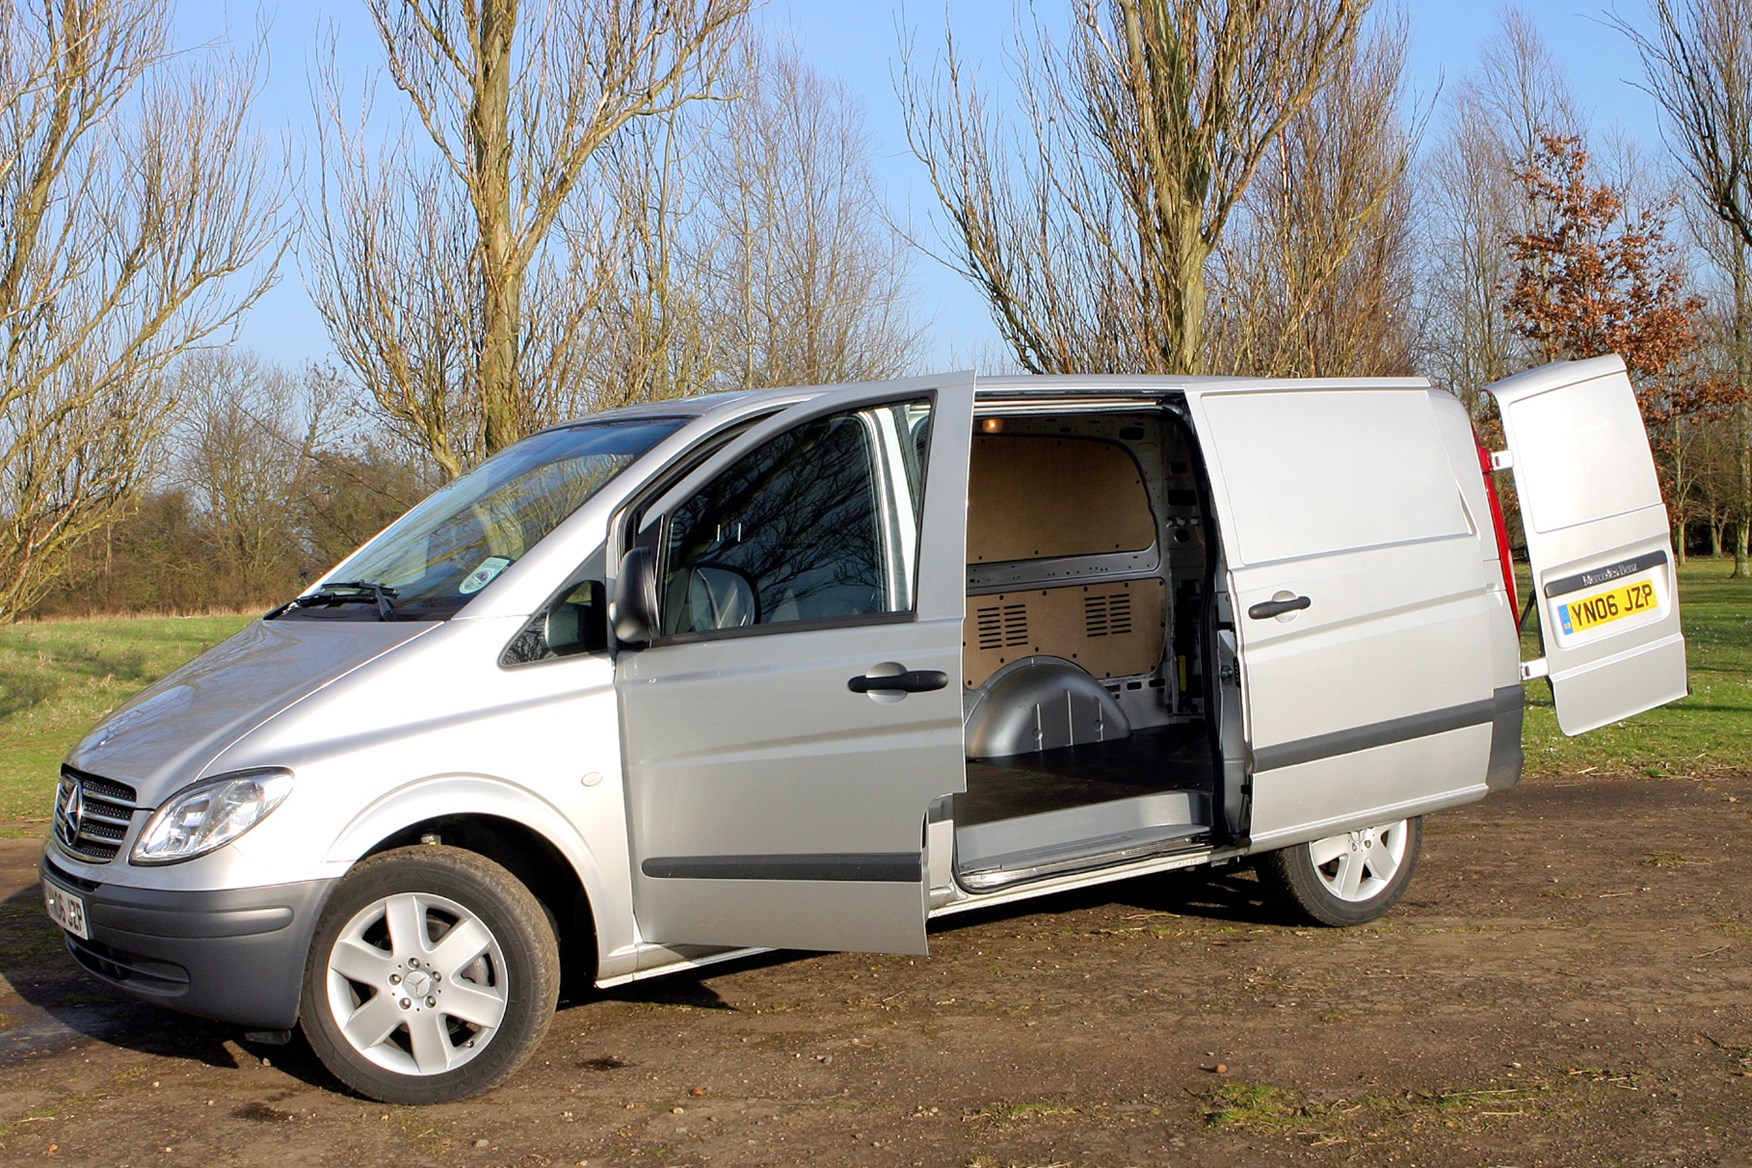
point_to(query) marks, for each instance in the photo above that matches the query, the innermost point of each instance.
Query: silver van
(806, 668)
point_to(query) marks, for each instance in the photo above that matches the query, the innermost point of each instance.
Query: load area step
(1099, 835)
(1157, 759)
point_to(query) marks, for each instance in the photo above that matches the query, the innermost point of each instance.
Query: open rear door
(1598, 539)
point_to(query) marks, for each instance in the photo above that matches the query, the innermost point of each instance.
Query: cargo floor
(1162, 758)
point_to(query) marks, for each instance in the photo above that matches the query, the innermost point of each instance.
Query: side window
(820, 523)
(575, 621)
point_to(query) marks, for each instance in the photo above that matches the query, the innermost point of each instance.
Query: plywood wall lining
(1034, 496)
(1111, 629)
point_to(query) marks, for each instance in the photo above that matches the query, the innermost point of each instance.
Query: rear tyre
(1346, 879)
(432, 976)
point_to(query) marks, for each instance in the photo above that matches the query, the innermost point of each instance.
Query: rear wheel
(1346, 879)
(432, 976)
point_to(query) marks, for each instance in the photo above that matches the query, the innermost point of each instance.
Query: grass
(1709, 731)
(1256, 1105)
(58, 678)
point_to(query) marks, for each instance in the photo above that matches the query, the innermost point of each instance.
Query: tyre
(1346, 879)
(432, 976)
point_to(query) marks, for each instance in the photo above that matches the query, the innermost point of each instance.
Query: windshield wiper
(354, 592)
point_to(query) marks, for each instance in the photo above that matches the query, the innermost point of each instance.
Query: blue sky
(858, 44)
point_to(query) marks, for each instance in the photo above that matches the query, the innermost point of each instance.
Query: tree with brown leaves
(1698, 65)
(1598, 278)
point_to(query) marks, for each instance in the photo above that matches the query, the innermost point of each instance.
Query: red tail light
(1502, 529)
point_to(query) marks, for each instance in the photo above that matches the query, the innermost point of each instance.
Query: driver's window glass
(819, 523)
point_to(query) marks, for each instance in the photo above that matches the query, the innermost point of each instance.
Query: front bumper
(232, 955)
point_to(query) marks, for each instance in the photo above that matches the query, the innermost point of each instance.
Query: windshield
(434, 559)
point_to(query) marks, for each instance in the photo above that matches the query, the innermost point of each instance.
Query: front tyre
(432, 976)
(1346, 879)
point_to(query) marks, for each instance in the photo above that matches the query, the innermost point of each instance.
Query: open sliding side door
(1360, 599)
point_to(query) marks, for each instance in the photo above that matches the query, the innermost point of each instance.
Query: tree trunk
(489, 126)
(1742, 505)
(1186, 308)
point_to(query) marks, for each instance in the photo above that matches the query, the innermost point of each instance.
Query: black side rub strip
(1595, 577)
(1479, 713)
(869, 867)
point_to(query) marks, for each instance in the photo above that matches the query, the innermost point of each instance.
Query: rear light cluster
(1501, 528)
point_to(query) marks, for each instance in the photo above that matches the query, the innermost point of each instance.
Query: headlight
(209, 815)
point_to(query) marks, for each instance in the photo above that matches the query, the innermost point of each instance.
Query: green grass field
(1710, 730)
(57, 678)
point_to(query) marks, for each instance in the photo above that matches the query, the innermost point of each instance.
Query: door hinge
(1534, 669)
(1502, 459)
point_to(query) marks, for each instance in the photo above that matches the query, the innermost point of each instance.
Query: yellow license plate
(1639, 596)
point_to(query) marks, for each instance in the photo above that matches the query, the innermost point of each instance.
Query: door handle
(910, 681)
(1266, 609)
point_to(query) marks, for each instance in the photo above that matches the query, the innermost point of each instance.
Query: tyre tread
(459, 874)
(1291, 882)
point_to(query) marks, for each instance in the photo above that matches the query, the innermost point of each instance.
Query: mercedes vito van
(806, 668)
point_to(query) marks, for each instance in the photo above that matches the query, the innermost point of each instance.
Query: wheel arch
(527, 836)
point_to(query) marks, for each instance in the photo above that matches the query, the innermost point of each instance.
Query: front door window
(819, 524)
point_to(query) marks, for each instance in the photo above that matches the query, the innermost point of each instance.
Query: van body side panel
(770, 804)
(1598, 539)
(1361, 601)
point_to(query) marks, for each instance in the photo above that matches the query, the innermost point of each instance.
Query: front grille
(92, 815)
(145, 975)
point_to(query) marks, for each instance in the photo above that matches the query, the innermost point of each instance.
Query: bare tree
(806, 276)
(139, 217)
(649, 317)
(1089, 230)
(1698, 65)
(249, 437)
(1316, 279)
(515, 101)
(1473, 204)
(749, 245)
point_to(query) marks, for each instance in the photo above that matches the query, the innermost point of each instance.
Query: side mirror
(633, 611)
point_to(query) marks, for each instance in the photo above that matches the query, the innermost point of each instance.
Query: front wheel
(432, 976)
(1346, 879)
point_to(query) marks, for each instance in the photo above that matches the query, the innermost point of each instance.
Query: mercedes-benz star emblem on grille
(72, 812)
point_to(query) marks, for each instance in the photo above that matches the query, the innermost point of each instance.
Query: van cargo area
(1084, 650)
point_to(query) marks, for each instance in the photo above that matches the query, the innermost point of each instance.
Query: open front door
(799, 709)
(1599, 541)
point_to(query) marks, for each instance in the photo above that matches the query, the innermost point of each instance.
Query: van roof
(1006, 385)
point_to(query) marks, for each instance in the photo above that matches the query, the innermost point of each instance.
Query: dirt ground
(1567, 983)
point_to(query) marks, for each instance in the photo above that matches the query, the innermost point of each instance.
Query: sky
(858, 43)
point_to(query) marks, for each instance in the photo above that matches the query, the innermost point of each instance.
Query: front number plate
(66, 910)
(1638, 597)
